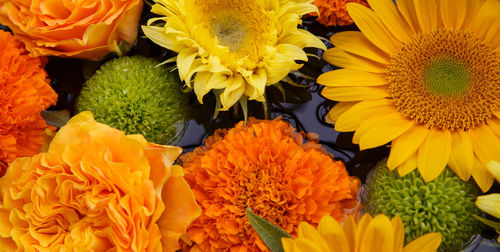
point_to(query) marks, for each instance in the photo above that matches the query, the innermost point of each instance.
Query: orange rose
(82, 29)
(95, 189)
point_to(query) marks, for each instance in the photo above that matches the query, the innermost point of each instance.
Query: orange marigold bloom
(334, 12)
(95, 189)
(265, 166)
(25, 92)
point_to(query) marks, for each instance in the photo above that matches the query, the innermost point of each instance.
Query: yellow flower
(424, 74)
(95, 189)
(234, 47)
(377, 234)
(491, 203)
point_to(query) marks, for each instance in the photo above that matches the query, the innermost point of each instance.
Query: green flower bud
(444, 205)
(133, 95)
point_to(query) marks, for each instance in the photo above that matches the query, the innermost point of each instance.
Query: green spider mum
(444, 205)
(133, 95)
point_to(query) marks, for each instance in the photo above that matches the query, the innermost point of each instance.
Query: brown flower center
(446, 79)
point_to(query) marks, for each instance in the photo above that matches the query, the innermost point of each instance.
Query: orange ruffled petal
(266, 166)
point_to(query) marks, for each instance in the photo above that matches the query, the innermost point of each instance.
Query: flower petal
(434, 153)
(494, 168)
(381, 130)
(462, 156)
(333, 234)
(337, 110)
(337, 56)
(490, 204)
(481, 175)
(372, 27)
(428, 242)
(453, 13)
(360, 112)
(427, 14)
(408, 165)
(354, 93)
(378, 236)
(351, 78)
(399, 233)
(308, 232)
(406, 145)
(356, 43)
(392, 19)
(487, 17)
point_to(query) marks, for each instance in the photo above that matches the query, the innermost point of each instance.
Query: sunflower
(234, 47)
(378, 234)
(266, 166)
(424, 74)
(490, 203)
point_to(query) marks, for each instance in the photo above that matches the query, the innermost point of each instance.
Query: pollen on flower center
(230, 31)
(446, 79)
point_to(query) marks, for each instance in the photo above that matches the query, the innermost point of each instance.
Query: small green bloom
(133, 95)
(444, 205)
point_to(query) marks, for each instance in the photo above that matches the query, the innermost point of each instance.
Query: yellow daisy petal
(372, 27)
(350, 77)
(406, 145)
(490, 204)
(434, 153)
(462, 156)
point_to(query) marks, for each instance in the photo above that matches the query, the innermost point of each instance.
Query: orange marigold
(334, 12)
(25, 92)
(265, 166)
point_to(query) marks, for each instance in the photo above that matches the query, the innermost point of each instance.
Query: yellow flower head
(377, 234)
(95, 189)
(234, 47)
(424, 74)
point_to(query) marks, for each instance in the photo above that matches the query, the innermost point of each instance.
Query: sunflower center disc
(446, 79)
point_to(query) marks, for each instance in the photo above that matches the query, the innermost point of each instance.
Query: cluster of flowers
(420, 76)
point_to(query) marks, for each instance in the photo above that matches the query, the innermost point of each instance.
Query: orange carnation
(95, 189)
(24, 92)
(265, 166)
(82, 29)
(334, 12)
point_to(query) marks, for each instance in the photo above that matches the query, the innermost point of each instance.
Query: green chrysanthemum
(444, 205)
(131, 94)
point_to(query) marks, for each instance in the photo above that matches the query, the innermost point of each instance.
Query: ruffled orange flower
(96, 189)
(24, 92)
(265, 166)
(334, 12)
(82, 29)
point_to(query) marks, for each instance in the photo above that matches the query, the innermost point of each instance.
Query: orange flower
(265, 166)
(334, 12)
(82, 29)
(96, 189)
(24, 92)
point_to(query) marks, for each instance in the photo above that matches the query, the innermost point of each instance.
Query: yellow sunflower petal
(288, 244)
(382, 130)
(481, 175)
(308, 232)
(378, 236)
(337, 111)
(303, 245)
(407, 10)
(490, 204)
(354, 93)
(427, 14)
(392, 19)
(360, 230)
(337, 56)
(356, 43)
(406, 145)
(351, 78)
(232, 93)
(360, 112)
(399, 233)
(408, 165)
(494, 168)
(333, 234)
(185, 60)
(472, 9)
(485, 144)
(372, 27)
(434, 153)
(494, 124)
(350, 231)
(428, 242)
(462, 156)
(487, 16)
(453, 13)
